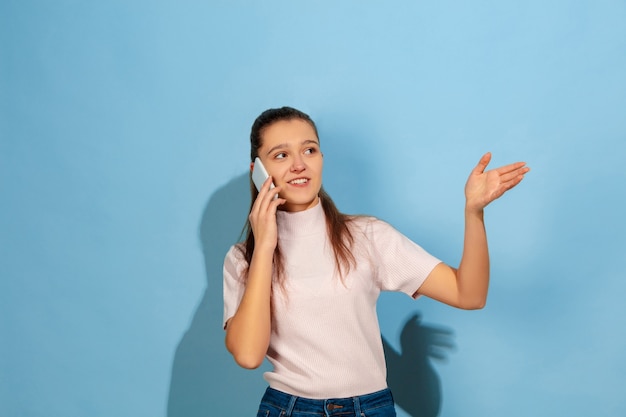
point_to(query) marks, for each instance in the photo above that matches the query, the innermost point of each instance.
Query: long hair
(337, 223)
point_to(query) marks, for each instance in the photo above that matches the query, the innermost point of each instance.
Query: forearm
(473, 271)
(467, 286)
(248, 331)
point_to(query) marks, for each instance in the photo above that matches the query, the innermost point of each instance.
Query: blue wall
(123, 159)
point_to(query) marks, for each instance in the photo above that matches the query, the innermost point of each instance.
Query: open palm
(483, 187)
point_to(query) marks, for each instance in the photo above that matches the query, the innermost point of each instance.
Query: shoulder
(235, 260)
(373, 233)
(236, 252)
(371, 226)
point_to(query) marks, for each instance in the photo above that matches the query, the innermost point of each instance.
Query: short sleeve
(234, 269)
(401, 264)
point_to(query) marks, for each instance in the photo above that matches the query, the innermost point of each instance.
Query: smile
(299, 181)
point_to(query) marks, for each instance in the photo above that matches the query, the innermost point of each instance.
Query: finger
(482, 164)
(263, 214)
(272, 190)
(263, 198)
(511, 175)
(277, 202)
(272, 194)
(268, 200)
(511, 167)
(266, 193)
(266, 185)
(506, 186)
(264, 188)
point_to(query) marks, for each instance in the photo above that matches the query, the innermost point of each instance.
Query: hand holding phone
(259, 175)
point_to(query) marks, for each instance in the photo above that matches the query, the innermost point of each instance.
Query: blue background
(123, 180)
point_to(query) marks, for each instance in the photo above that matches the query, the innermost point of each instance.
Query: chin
(300, 203)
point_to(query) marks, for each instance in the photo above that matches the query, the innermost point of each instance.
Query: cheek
(320, 166)
(276, 171)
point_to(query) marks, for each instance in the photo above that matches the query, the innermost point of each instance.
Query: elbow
(473, 304)
(246, 358)
(249, 351)
(476, 306)
(248, 361)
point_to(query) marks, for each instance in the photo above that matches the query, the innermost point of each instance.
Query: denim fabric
(279, 404)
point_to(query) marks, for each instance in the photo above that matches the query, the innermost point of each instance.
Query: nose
(297, 164)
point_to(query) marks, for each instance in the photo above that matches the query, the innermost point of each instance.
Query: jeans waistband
(332, 406)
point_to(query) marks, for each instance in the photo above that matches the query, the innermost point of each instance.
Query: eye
(310, 151)
(280, 155)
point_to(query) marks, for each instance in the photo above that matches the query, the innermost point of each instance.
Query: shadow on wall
(206, 380)
(412, 378)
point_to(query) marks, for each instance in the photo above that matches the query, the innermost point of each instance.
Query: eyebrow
(284, 145)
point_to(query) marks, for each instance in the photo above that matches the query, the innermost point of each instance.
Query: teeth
(299, 181)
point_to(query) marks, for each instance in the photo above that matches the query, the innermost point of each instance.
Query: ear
(251, 166)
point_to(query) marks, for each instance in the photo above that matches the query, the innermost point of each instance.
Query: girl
(302, 289)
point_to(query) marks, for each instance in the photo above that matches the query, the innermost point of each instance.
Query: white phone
(259, 175)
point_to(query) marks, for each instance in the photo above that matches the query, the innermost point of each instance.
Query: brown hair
(337, 223)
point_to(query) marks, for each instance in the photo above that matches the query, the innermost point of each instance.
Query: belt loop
(357, 406)
(292, 403)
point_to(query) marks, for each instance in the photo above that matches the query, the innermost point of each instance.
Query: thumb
(482, 164)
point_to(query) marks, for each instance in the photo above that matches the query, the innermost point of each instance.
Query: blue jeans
(279, 404)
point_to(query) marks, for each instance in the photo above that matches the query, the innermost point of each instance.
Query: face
(291, 154)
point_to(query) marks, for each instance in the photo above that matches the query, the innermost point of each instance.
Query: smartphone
(259, 175)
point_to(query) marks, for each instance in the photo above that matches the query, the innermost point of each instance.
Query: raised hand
(483, 187)
(263, 216)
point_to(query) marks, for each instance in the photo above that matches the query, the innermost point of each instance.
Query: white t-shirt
(326, 341)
